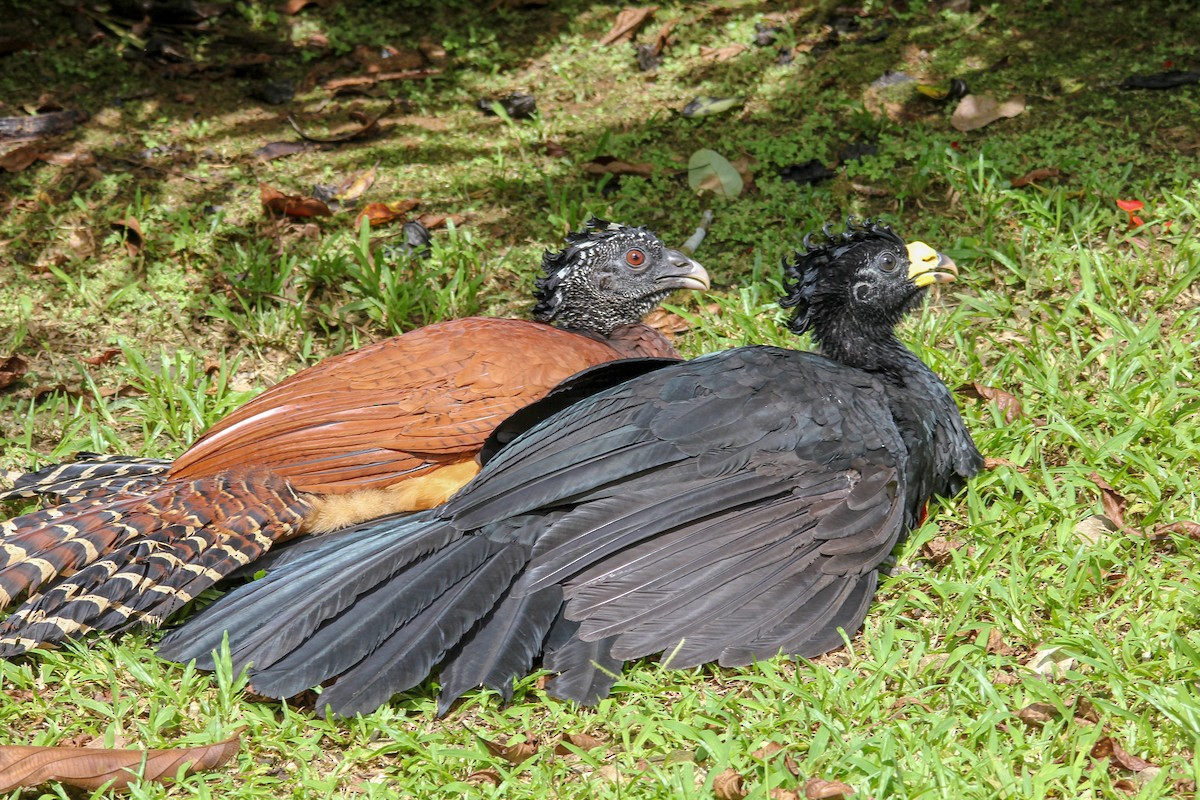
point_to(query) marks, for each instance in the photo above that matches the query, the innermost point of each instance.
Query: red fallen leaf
(1009, 404)
(820, 789)
(1114, 503)
(93, 767)
(11, 370)
(132, 229)
(627, 23)
(1129, 207)
(276, 202)
(105, 357)
(1035, 175)
(1107, 747)
(383, 213)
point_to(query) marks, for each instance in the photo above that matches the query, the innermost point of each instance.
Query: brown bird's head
(853, 288)
(611, 275)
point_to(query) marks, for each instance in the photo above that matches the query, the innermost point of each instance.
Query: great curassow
(392, 427)
(723, 509)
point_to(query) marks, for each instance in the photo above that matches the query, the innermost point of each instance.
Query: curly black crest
(800, 277)
(559, 265)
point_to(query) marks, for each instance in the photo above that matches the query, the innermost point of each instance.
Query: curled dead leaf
(131, 229)
(627, 23)
(383, 213)
(105, 357)
(767, 750)
(1114, 503)
(1110, 748)
(1035, 175)
(719, 54)
(939, 550)
(821, 789)
(997, 646)
(93, 767)
(292, 205)
(581, 741)
(20, 158)
(729, 785)
(11, 370)
(1183, 527)
(667, 322)
(480, 777)
(1009, 404)
(1038, 714)
(512, 753)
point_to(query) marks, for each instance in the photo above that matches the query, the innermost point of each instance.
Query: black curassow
(724, 509)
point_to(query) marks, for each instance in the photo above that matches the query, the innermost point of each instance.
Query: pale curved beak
(682, 272)
(927, 266)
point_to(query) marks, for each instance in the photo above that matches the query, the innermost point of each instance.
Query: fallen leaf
(976, 110)
(1035, 175)
(435, 221)
(729, 785)
(996, 644)
(1108, 747)
(383, 213)
(11, 370)
(821, 789)
(719, 54)
(1113, 502)
(105, 357)
(1050, 663)
(276, 202)
(483, 776)
(768, 750)
(132, 231)
(19, 158)
(582, 741)
(90, 768)
(783, 794)
(607, 165)
(1038, 714)
(555, 150)
(712, 172)
(666, 322)
(355, 81)
(512, 753)
(1009, 405)
(1094, 529)
(938, 550)
(1183, 527)
(627, 23)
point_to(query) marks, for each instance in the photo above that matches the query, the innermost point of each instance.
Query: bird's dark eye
(888, 262)
(635, 258)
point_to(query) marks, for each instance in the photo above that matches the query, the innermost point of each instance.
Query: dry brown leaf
(368, 126)
(821, 789)
(784, 794)
(11, 370)
(132, 230)
(383, 213)
(483, 776)
(726, 53)
(1108, 747)
(663, 36)
(1035, 175)
(767, 750)
(938, 550)
(105, 357)
(996, 644)
(627, 23)
(666, 322)
(1038, 714)
(1114, 503)
(19, 158)
(607, 165)
(1184, 527)
(435, 221)
(355, 81)
(582, 741)
(354, 186)
(293, 205)
(513, 753)
(91, 768)
(729, 785)
(976, 110)
(1009, 404)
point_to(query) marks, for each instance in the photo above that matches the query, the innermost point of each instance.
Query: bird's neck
(868, 348)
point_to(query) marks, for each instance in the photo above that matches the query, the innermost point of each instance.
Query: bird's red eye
(635, 258)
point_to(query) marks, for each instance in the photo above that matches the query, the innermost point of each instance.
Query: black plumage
(724, 509)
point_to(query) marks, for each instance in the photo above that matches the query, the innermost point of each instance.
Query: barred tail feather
(90, 475)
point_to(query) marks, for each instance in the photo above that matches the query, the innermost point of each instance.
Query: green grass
(1090, 324)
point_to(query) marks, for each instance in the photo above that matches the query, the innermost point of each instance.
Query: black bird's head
(853, 288)
(611, 275)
